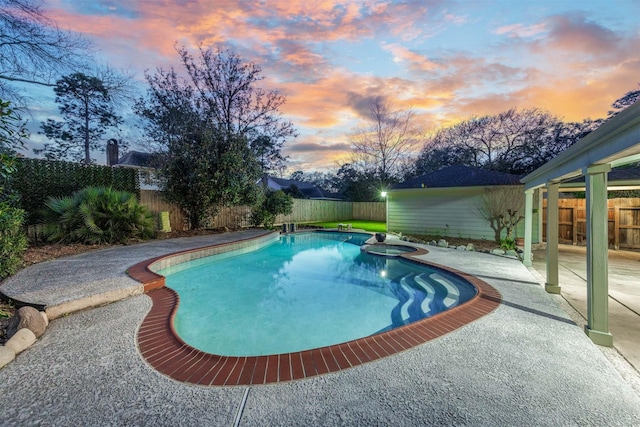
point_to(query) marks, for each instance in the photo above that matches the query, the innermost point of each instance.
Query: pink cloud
(567, 64)
(416, 61)
(520, 30)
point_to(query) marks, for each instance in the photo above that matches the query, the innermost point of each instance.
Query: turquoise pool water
(301, 292)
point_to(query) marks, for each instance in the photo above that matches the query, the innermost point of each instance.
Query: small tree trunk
(87, 154)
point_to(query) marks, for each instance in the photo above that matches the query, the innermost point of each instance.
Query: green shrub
(274, 203)
(35, 180)
(97, 215)
(13, 241)
(508, 243)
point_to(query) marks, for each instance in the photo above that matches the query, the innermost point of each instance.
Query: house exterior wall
(447, 212)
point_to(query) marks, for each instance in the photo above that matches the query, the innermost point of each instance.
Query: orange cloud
(567, 63)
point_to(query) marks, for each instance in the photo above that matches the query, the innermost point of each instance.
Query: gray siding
(448, 212)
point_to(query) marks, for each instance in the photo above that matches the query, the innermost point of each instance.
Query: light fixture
(383, 194)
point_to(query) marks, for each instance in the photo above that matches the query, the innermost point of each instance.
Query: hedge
(35, 180)
(13, 242)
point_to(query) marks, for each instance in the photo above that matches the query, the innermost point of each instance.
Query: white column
(540, 196)
(552, 285)
(528, 226)
(597, 327)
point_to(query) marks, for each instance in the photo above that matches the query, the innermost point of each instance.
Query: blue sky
(447, 60)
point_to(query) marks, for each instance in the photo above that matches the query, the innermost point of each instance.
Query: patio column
(597, 327)
(540, 196)
(552, 284)
(528, 227)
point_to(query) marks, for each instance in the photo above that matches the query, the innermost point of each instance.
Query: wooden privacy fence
(624, 222)
(303, 211)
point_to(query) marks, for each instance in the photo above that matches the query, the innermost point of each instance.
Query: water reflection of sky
(299, 293)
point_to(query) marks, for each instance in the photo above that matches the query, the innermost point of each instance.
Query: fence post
(616, 228)
(574, 226)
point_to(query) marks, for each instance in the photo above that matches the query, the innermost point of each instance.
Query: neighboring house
(143, 163)
(443, 203)
(307, 189)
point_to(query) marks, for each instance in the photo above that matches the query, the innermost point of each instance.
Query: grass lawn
(373, 226)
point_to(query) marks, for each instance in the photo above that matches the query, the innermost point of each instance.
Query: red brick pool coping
(161, 347)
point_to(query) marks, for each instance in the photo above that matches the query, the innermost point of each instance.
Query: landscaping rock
(21, 340)
(433, 243)
(498, 252)
(45, 317)
(6, 356)
(512, 252)
(470, 247)
(443, 243)
(27, 317)
(462, 248)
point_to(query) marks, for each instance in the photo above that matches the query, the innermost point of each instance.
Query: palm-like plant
(98, 215)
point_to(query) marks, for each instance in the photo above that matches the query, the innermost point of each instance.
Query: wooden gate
(623, 223)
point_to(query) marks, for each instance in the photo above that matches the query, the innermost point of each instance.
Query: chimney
(112, 152)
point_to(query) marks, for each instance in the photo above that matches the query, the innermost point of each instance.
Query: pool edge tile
(161, 348)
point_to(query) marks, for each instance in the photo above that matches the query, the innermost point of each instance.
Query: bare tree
(383, 146)
(501, 206)
(33, 49)
(232, 101)
(514, 141)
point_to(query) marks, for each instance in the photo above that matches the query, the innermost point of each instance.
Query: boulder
(27, 317)
(21, 340)
(461, 248)
(498, 252)
(443, 243)
(6, 356)
(512, 253)
(45, 317)
(470, 247)
(433, 243)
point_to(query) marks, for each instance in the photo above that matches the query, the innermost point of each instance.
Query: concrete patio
(526, 363)
(624, 292)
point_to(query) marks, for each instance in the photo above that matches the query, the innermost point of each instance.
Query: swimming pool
(301, 292)
(163, 350)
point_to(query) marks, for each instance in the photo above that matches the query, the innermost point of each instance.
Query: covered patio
(616, 143)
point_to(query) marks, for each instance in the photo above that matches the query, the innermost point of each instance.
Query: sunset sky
(448, 60)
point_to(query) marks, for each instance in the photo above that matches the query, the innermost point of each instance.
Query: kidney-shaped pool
(302, 292)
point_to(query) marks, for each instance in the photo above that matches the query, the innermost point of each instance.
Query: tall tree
(215, 131)
(357, 185)
(383, 146)
(623, 102)
(33, 49)
(13, 133)
(514, 141)
(232, 101)
(86, 105)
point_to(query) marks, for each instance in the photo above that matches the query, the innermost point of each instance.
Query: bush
(35, 180)
(508, 243)
(274, 203)
(13, 241)
(97, 215)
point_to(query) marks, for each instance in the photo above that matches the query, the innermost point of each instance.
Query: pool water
(301, 292)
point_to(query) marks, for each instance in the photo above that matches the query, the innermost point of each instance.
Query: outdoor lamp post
(386, 209)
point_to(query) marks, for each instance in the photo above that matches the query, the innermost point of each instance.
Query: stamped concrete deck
(526, 363)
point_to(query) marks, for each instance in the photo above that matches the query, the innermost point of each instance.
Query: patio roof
(617, 142)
